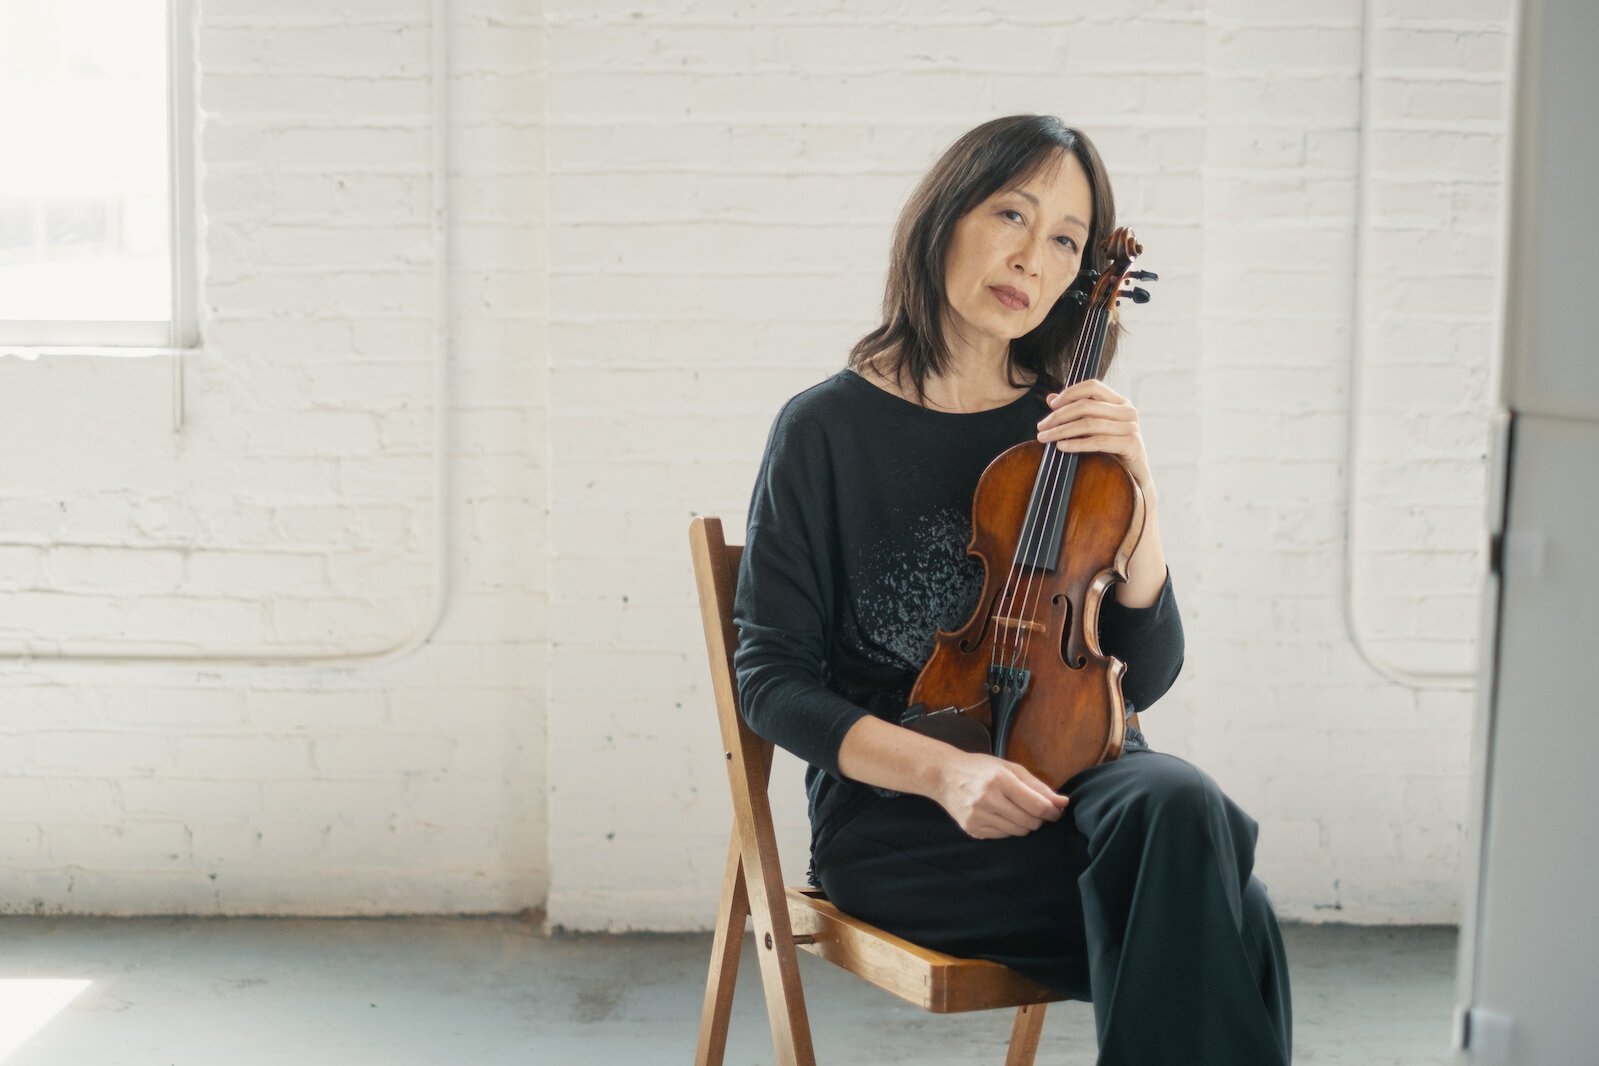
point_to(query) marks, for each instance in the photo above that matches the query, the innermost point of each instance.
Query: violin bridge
(1018, 623)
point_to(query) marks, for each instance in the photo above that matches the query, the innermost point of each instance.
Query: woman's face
(1013, 255)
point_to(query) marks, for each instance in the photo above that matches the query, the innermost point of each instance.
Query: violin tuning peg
(1144, 275)
(1136, 295)
(1076, 296)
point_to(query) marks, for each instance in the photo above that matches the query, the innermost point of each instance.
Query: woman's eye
(1067, 241)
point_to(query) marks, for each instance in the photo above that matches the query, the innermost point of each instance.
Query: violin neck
(1089, 351)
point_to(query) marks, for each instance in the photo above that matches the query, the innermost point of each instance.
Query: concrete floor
(489, 991)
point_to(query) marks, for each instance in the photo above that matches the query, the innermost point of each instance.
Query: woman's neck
(968, 386)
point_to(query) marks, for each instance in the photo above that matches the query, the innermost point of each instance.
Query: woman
(1132, 886)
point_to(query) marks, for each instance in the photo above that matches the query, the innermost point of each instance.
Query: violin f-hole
(988, 624)
(1067, 628)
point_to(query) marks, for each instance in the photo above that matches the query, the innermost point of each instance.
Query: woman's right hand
(987, 796)
(991, 797)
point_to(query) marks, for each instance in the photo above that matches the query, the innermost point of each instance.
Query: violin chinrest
(950, 726)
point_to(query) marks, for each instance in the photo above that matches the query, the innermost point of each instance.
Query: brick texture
(668, 217)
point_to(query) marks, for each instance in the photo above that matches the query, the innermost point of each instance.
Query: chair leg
(725, 948)
(1024, 1035)
(780, 979)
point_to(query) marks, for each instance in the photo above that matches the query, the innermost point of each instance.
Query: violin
(1024, 678)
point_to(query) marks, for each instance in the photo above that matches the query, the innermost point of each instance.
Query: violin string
(1063, 463)
(1062, 466)
(1007, 597)
(1035, 534)
(1029, 544)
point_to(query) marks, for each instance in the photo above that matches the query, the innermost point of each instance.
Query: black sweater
(855, 555)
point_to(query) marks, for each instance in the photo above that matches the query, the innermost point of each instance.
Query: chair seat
(932, 980)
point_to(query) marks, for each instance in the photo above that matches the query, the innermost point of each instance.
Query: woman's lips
(1014, 299)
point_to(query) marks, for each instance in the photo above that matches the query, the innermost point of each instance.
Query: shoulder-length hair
(993, 156)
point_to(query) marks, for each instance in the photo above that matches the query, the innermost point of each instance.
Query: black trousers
(1141, 898)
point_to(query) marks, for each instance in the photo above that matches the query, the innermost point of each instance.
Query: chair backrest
(755, 876)
(716, 565)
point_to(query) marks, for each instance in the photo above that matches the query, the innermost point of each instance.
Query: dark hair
(982, 161)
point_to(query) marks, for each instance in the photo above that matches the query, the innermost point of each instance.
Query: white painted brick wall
(724, 178)
(293, 509)
(701, 194)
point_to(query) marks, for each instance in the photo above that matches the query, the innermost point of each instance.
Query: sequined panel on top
(912, 592)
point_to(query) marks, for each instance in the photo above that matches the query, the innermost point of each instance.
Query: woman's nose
(1026, 258)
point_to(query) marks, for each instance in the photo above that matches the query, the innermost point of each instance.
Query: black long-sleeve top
(855, 555)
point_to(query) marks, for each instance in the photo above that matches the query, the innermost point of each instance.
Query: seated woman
(1132, 885)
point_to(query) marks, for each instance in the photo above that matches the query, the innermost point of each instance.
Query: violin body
(1027, 665)
(1024, 678)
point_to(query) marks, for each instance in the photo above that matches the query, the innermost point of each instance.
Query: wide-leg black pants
(1141, 898)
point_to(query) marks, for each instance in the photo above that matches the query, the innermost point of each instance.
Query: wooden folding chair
(800, 916)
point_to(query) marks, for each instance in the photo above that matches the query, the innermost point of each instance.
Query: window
(93, 99)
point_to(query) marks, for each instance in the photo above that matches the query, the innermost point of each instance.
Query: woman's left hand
(1090, 416)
